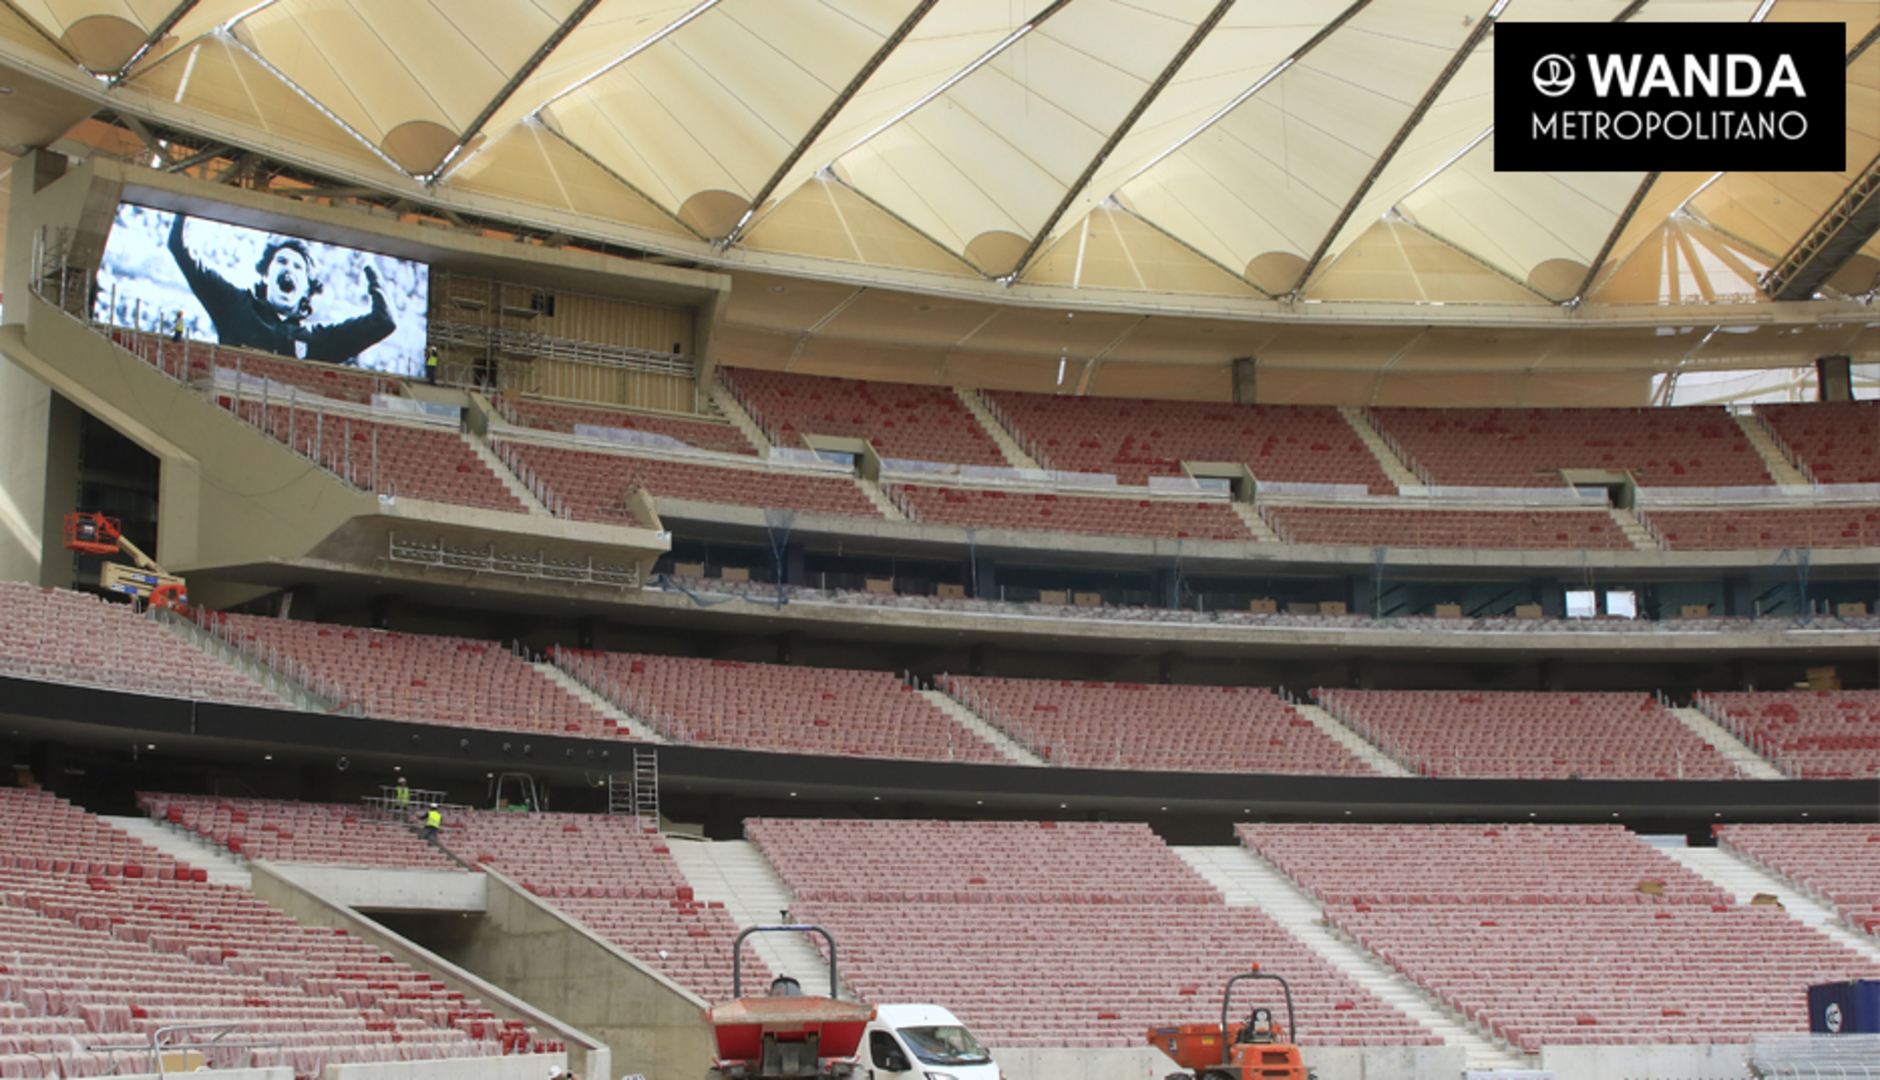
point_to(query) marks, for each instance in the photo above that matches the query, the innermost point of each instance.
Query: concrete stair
(632, 725)
(1394, 466)
(1634, 529)
(1734, 750)
(223, 868)
(880, 499)
(983, 728)
(1743, 879)
(1247, 880)
(737, 875)
(510, 480)
(732, 411)
(1256, 524)
(1015, 455)
(1363, 749)
(1774, 455)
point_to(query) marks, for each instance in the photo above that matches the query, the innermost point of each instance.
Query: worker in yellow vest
(430, 365)
(433, 821)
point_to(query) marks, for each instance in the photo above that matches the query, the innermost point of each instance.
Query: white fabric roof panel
(966, 145)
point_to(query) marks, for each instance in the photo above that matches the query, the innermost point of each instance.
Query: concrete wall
(587, 1055)
(1326, 1062)
(654, 1026)
(1668, 1062)
(380, 889)
(25, 410)
(514, 1067)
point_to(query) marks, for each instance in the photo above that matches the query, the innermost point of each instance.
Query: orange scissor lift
(95, 534)
(1259, 1049)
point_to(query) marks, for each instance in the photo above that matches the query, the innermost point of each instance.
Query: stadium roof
(1330, 150)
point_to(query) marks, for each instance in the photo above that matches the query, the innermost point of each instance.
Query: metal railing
(970, 699)
(490, 560)
(512, 460)
(1024, 442)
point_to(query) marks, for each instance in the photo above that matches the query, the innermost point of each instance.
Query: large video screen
(257, 290)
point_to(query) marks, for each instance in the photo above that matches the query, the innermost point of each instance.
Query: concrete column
(793, 559)
(983, 578)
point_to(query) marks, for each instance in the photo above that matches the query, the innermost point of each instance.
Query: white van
(923, 1042)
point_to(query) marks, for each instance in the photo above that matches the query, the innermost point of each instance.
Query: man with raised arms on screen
(273, 313)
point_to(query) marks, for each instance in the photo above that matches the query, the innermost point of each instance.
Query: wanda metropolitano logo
(1593, 97)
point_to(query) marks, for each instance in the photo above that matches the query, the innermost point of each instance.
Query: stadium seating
(1529, 735)
(1050, 933)
(618, 878)
(1560, 934)
(404, 460)
(1578, 530)
(1136, 439)
(556, 416)
(327, 380)
(1765, 527)
(1839, 863)
(594, 486)
(1137, 726)
(297, 832)
(919, 423)
(1700, 447)
(98, 956)
(55, 635)
(772, 707)
(1837, 441)
(419, 677)
(991, 508)
(1816, 735)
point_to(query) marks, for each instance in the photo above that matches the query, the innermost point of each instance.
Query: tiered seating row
(1838, 441)
(1762, 529)
(1817, 735)
(56, 635)
(197, 360)
(1136, 439)
(1050, 934)
(1571, 530)
(1840, 863)
(620, 880)
(1091, 515)
(422, 678)
(1696, 446)
(1560, 934)
(557, 416)
(102, 961)
(391, 459)
(920, 423)
(792, 709)
(278, 831)
(1137, 726)
(594, 486)
(1529, 735)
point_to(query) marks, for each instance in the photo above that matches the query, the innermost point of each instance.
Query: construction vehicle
(784, 1034)
(95, 534)
(1259, 1049)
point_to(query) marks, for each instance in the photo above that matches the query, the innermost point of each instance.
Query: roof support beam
(1612, 238)
(200, 157)
(1838, 234)
(855, 84)
(514, 84)
(1482, 27)
(148, 138)
(1122, 129)
(157, 34)
(1835, 238)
